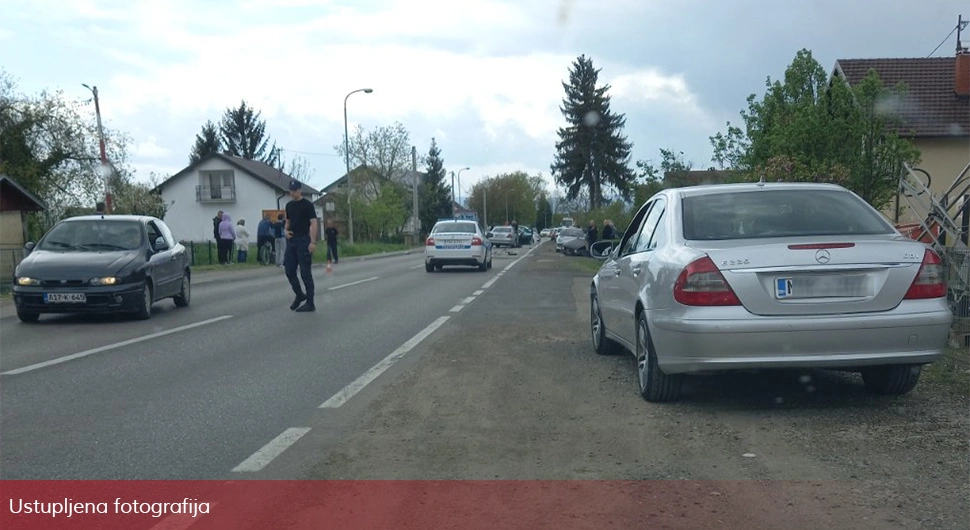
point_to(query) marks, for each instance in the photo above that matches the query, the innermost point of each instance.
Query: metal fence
(957, 263)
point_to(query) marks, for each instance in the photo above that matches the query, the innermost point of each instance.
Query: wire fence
(957, 263)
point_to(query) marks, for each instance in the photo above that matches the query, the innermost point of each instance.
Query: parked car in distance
(762, 276)
(545, 232)
(502, 236)
(102, 264)
(457, 242)
(568, 234)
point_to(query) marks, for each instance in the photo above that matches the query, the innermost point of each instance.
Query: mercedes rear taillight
(929, 281)
(702, 284)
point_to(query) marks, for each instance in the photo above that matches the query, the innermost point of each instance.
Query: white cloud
(150, 149)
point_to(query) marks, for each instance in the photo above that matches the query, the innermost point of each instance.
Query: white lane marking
(457, 308)
(416, 267)
(180, 521)
(273, 449)
(353, 388)
(499, 275)
(100, 349)
(358, 282)
(490, 283)
(468, 300)
(478, 292)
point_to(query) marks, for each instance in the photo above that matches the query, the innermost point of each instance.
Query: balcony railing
(215, 194)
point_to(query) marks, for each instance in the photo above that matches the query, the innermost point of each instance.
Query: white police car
(457, 242)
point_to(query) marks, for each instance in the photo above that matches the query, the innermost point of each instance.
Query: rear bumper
(121, 298)
(455, 257)
(686, 345)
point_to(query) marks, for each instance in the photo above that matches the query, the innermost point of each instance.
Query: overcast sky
(481, 76)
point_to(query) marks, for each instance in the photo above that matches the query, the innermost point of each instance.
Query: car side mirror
(601, 249)
(29, 247)
(160, 244)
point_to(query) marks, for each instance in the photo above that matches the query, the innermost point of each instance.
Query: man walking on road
(301, 233)
(331, 233)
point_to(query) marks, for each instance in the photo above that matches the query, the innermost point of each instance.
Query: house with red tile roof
(934, 113)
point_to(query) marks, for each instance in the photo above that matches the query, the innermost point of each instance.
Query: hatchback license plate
(65, 298)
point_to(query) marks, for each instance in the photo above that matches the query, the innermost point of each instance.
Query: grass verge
(952, 372)
(584, 264)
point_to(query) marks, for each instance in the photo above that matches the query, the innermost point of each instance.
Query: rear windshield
(502, 229)
(93, 236)
(779, 213)
(459, 228)
(572, 232)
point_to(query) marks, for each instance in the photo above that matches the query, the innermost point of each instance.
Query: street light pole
(459, 184)
(350, 188)
(454, 205)
(105, 172)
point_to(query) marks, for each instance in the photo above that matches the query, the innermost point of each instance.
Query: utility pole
(454, 205)
(105, 170)
(417, 182)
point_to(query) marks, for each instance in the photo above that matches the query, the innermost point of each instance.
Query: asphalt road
(197, 393)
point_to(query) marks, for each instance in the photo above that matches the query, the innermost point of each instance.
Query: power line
(944, 41)
(309, 153)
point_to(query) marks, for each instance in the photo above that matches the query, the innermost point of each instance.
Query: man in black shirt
(331, 233)
(301, 233)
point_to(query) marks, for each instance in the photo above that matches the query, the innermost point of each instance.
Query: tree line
(49, 145)
(807, 127)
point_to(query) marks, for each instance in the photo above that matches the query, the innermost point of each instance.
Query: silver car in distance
(763, 276)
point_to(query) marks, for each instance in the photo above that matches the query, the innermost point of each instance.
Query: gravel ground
(513, 390)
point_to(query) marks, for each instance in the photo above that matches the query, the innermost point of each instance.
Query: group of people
(227, 235)
(592, 234)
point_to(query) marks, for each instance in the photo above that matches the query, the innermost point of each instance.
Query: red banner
(465, 505)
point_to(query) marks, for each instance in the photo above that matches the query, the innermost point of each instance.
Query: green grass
(361, 249)
(584, 264)
(952, 372)
(344, 250)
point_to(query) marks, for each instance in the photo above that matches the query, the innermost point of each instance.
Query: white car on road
(457, 242)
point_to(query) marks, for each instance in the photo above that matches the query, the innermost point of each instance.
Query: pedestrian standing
(100, 209)
(591, 234)
(301, 233)
(279, 232)
(227, 236)
(609, 231)
(216, 221)
(242, 241)
(331, 234)
(264, 236)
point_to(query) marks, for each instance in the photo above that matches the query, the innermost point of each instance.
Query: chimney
(962, 78)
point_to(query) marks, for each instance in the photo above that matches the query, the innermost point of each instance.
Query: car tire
(483, 266)
(144, 311)
(601, 344)
(896, 379)
(428, 267)
(654, 384)
(489, 261)
(28, 317)
(184, 295)
(438, 268)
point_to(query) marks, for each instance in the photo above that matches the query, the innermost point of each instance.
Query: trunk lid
(818, 275)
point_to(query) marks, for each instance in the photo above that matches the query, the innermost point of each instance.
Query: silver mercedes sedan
(768, 275)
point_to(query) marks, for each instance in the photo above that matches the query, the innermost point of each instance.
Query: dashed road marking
(358, 282)
(270, 451)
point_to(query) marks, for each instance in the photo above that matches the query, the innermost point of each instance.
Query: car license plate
(65, 298)
(834, 286)
(451, 246)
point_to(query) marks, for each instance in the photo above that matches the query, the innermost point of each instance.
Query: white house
(241, 187)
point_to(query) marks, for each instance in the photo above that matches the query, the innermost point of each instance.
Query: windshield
(92, 236)
(455, 228)
(571, 232)
(779, 213)
(502, 229)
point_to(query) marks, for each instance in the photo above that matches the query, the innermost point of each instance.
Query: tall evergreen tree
(244, 134)
(435, 197)
(592, 153)
(206, 143)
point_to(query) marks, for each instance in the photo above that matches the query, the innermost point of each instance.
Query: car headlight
(25, 281)
(108, 280)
